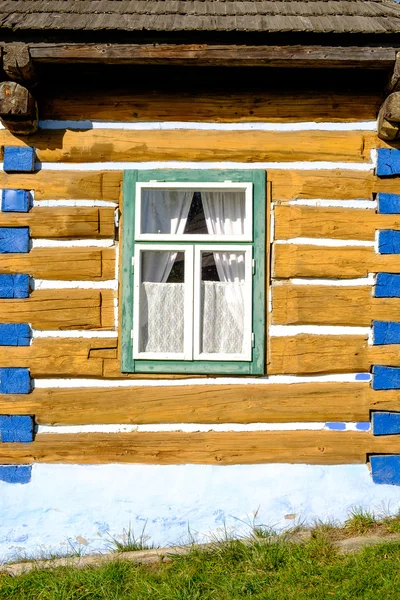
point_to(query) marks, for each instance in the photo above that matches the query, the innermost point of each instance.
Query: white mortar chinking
(326, 203)
(189, 428)
(151, 165)
(264, 380)
(325, 242)
(207, 126)
(74, 203)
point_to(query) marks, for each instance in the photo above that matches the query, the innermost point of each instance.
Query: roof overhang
(290, 56)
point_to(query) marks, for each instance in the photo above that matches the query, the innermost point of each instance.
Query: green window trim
(257, 365)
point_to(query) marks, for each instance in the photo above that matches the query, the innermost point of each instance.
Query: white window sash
(246, 355)
(188, 251)
(247, 236)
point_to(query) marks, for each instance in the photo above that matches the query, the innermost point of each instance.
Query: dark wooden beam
(207, 55)
(18, 108)
(18, 65)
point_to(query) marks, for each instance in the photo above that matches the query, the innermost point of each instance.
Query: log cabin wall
(318, 147)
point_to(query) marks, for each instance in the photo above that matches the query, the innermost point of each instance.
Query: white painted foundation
(81, 506)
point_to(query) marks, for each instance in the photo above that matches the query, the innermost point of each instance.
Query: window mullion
(189, 299)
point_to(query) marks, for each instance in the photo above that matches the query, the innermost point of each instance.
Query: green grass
(360, 522)
(128, 542)
(260, 570)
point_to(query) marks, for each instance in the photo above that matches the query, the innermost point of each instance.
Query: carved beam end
(389, 118)
(18, 108)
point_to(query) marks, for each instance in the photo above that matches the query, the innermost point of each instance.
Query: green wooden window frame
(257, 365)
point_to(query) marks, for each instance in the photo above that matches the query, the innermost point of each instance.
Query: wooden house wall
(73, 309)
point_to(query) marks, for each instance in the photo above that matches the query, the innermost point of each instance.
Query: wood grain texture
(309, 447)
(329, 222)
(80, 264)
(96, 145)
(71, 357)
(66, 185)
(299, 56)
(287, 185)
(272, 106)
(75, 222)
(301, 260)
(331, 305)
(318, 354)
(330, 184)
(61, 309)
(61, 357)
(274, 403)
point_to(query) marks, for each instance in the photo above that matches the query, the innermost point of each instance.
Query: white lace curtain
(222, 302)
(161, 303)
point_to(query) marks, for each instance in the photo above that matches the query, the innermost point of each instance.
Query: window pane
(193, 212)
(222, 303)
(161, 302)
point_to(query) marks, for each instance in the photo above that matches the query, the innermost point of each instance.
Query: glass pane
(222, 302)
(161, 302)
(218, 212)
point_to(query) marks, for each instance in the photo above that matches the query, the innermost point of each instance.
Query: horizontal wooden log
(330, 222)
(95, 145)
(63, 222)
(299, 447)
(61, 357)
(177, 105)
(61, 309)
(331, 305)
(301, 260)
(66, 185)
(286, 184)
(66, 264)
(317, 354)
(330, 184)
(274, 403)
(216, 55)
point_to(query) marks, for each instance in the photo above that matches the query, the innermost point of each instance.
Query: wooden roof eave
(290, 56)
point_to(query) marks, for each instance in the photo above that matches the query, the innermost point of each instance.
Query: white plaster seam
(292, 330)
(208, 126)
(74, 203)
(370, 280)
(73, 333)
(321, 203)
(120, 166)
(281, 379)
(325, 242)
(189, 427)
(47, 284)
(89, 243)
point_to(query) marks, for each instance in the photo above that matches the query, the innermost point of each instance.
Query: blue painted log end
(15, 380)
(388, 204)
(388, 162)
(16, 201)
(14, 286)
(15, 473)
(387, 285)
(385, 378)
(19, 159)
(16, 428)
(14, 240)
(15, 334)
(389, 241)
(385, 332)
(385, 423)
(385, 469)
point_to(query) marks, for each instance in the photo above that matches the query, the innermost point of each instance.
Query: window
(193, 272)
